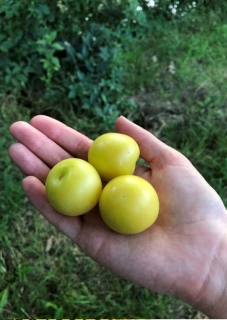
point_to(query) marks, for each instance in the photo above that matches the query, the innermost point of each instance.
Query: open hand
(177, 254)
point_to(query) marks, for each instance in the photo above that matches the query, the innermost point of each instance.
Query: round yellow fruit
(73, 187)
(113, 155)
(129, 204)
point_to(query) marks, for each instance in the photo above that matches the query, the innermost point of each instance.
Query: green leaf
(104, 98)
(16, 70)
(56, 63)
(50, 305)
(5, 46)
(80, 75)
(4, 299)
(21, 77)
(2, 36)
(72, 93)
(59, 313)
(8, 79)
(46, 63)
(57, 46)
(51, 37)
(85, 51)
(44, 9)
(15, 82)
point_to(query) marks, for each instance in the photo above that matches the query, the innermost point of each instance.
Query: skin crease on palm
(183, 254)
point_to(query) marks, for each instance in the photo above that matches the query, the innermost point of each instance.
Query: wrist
(212, 299)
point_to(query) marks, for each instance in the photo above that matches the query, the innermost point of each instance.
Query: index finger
(155, 152)
(69, 139)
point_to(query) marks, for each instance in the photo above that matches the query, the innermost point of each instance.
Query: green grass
(204, 141)
(182, 60)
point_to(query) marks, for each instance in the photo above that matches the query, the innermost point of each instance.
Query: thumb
(152, 150)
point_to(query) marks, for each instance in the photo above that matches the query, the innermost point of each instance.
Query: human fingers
(69, 139)
(38, 143)
(156, 153)
(28, 162)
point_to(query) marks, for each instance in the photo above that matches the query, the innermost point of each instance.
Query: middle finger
(28, 162)
(38, 143)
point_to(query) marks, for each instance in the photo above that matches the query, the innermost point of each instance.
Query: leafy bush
(62, 58)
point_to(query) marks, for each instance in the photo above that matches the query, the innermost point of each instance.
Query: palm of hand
(168, 257)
